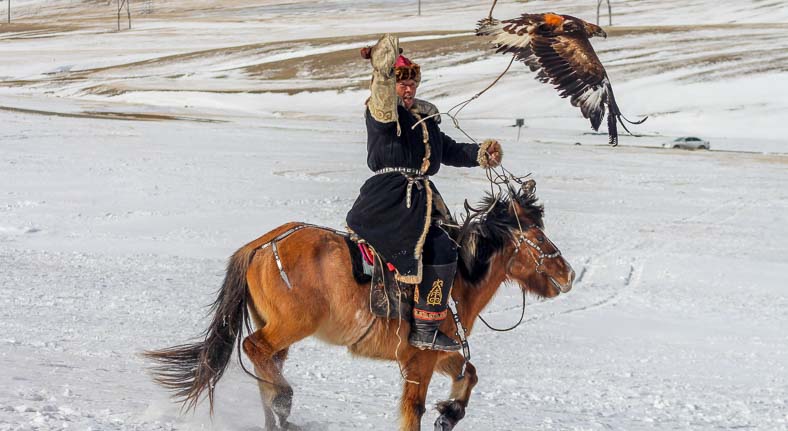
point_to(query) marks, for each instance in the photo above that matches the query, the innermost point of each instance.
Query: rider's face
(406, 90)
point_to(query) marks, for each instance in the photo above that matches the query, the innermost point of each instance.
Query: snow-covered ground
(133, 164)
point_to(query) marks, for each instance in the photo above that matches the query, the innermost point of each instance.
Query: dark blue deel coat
(381, 215)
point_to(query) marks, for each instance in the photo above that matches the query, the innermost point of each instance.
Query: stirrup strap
(466, 348)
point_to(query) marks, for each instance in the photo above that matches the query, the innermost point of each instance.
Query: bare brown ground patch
(662, 29)
(108, 115)
(347, 64)
(313, 72)
(31, 30)
(740, 158)
(344, 64)
(265, 47)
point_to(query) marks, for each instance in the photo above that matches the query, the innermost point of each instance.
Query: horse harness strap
(466, 349)
(539, 259)
(284, 235)
(414, 176)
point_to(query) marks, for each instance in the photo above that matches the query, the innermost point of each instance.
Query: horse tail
(189, 369)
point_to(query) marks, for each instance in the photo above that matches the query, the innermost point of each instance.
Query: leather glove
(384, 54)
(382, 101)
(490, 154)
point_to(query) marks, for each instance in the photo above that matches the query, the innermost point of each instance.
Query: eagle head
(594, 30)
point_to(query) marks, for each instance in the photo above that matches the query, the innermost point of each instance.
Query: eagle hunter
(557, 47)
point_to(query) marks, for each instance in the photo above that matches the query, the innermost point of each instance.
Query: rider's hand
(493, 153)
(384, 54)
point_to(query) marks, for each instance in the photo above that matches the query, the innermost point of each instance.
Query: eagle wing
(567, 61)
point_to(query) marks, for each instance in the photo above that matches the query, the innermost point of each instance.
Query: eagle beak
(602, 33)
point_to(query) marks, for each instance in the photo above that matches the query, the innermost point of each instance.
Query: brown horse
(322, 298)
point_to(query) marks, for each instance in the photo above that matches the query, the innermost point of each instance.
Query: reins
(522, 316)
(463, 104)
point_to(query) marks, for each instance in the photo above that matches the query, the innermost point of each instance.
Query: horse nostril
(571, 281)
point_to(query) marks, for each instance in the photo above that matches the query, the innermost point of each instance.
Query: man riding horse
(399, 211)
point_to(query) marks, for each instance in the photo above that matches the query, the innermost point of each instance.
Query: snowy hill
(692, 68)
(135, 162)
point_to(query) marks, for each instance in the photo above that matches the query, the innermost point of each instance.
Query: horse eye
(540, 238)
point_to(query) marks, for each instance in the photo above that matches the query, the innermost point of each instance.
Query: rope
(491, 9)
(465, 103)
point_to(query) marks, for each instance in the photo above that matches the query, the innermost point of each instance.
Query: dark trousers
(439, 248)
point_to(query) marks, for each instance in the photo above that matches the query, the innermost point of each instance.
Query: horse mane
(486, 237)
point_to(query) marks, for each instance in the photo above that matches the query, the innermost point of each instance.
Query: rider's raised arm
(382, 103)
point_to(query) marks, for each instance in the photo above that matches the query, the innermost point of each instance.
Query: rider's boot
(429, 309)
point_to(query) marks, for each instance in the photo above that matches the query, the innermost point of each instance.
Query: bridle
(535, 251)
(505, 178)
(521, 238)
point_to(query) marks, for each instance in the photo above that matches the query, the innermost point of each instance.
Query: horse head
(535, 262)
(509, 233)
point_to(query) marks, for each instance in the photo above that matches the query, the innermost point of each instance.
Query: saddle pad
(389, 298)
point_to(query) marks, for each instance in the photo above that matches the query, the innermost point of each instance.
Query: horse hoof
(443, 424)
(451, 411)
(288, 426)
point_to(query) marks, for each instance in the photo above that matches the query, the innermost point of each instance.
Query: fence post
(609, 12)
(128, 11)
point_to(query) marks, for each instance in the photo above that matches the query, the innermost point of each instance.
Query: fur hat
(406, 69)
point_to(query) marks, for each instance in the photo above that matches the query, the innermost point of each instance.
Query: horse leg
(264, 349)
(276, 402)
(417, 369)
(453, 409)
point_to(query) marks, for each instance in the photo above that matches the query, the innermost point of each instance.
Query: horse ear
(529, 188)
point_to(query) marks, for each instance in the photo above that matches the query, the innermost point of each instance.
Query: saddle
(388, 298)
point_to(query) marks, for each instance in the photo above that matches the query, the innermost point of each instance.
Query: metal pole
(9, 11)
(609, 12)
(419, 7)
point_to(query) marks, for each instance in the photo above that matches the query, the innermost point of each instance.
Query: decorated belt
(404, 171)
(414, 176)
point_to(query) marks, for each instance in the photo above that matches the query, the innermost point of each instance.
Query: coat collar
(423, 108)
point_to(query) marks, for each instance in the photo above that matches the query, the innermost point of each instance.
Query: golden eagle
(557, 46)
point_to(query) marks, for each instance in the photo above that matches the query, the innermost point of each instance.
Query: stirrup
(439, 342)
